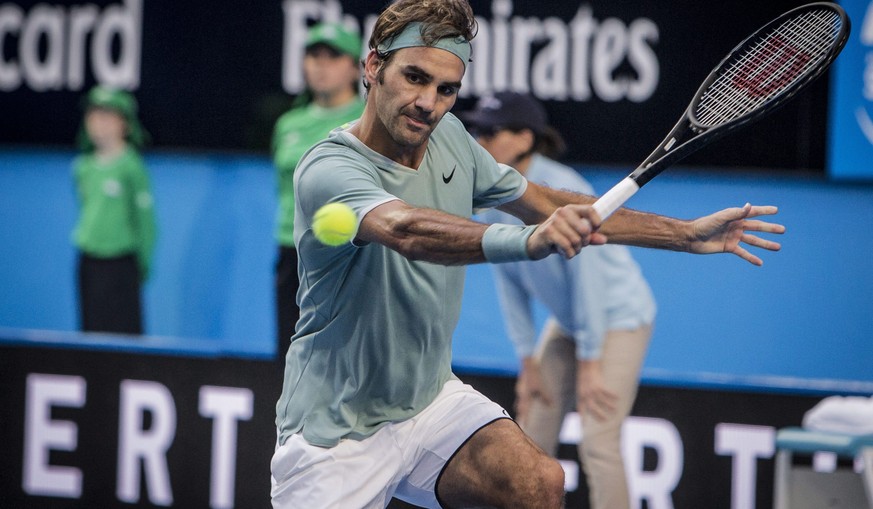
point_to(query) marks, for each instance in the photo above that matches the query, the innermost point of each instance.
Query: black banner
(99, 429)
(108, 429)
(614, 76)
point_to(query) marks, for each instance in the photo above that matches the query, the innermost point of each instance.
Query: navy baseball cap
(507, 110)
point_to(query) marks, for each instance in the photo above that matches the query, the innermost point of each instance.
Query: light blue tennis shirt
(373, 343)
(600, 289)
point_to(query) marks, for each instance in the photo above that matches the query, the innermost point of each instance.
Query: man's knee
(554, 480)
(546, 484)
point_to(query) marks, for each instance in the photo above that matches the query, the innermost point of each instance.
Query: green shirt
(295, 132)
(116, 215)
(373, 344)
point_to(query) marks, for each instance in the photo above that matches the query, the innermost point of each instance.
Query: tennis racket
(759, 75)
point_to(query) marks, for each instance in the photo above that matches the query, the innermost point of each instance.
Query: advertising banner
(87, 428)
(614, 76)
(850, 149)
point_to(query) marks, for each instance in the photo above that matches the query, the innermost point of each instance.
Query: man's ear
(529, 139)
(372, 64)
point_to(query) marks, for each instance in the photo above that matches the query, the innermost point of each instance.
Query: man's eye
(448, 90)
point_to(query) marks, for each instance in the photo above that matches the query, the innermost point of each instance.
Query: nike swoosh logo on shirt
(448, 179)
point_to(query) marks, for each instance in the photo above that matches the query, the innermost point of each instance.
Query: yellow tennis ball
(334, 224)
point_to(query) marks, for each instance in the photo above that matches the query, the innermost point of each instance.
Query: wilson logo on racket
(758, 76)
(774, 68)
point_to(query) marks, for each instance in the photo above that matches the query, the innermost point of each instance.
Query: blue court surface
(804, 319)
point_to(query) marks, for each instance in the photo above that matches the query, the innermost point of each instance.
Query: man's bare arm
(424, 234)
(720, 232)
(439, 237)
(626, 226)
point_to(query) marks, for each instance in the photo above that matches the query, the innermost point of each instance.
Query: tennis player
(370, 408)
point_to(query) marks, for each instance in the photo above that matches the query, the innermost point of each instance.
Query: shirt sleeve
(76, 172)
(588, 307)
(516, 306)
(329, 174)
(285, 155)
(494, 183)
(588, 286)
(144, 218)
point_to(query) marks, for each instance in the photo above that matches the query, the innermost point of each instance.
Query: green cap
(122, 102)
(118, 100)
(337, 37)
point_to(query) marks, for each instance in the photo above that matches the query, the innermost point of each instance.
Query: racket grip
(615, 197)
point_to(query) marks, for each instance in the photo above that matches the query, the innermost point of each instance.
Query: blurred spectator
(332, 71)
(591, 349)
(115, 232)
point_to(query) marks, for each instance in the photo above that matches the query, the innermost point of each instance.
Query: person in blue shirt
(601, 310)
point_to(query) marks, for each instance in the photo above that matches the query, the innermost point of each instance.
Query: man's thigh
(500, 466)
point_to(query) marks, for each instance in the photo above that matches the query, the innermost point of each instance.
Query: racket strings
(769, 66)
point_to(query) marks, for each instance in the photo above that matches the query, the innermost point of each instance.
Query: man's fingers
(763, 210)
(753, 225)
(567, 231)
(578, 228)
(749, 257)
(756, 241)
(597, 408)
(600, 404)
(597, 239)
(541, 394)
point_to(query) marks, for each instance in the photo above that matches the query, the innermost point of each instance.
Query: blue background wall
(808, 313)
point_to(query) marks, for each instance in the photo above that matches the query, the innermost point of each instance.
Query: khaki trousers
(600, 450)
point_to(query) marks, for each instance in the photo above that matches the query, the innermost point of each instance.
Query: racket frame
(689, 135)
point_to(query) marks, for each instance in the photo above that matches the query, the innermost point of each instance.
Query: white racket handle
(615, 197)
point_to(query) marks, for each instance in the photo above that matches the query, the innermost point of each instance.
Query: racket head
(770, 66)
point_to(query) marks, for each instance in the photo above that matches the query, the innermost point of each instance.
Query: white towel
(851, 415)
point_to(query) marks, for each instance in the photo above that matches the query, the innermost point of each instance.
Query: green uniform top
(116, 208)
(373, 344)
(295, 132)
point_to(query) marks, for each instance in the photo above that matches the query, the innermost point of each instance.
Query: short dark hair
(439, 19)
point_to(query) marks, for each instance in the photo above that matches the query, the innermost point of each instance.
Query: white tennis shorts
(402, 459)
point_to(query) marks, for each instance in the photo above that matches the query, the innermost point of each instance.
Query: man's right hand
(566, 231)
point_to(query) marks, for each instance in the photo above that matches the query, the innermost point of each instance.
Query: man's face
(414, 91)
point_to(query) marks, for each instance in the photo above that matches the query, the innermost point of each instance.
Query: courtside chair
(805, 487)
